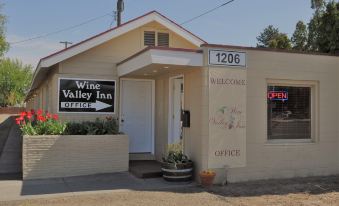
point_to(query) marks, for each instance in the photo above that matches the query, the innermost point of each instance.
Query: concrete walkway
(91, 184)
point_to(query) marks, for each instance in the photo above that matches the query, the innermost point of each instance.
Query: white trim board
(170, 103)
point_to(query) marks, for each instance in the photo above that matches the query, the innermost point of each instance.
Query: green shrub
(176, 157)
(97, 127)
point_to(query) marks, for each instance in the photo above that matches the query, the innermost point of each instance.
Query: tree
(317, 4)
(272, 38)
(313, 25)
(299, 37)
(15, 80)
(3, 44)
(328, 29)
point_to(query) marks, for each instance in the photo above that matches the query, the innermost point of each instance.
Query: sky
(238, 23)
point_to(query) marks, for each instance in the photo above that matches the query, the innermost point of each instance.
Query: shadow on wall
(6, 122)
(10, 148)
(309, 185)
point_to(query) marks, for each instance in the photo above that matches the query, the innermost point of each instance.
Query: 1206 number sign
(227, 58)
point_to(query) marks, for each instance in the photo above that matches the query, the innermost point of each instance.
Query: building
(261, 113)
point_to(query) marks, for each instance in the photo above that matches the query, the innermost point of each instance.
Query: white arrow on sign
(97, 105)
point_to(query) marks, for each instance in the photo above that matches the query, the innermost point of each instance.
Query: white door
(177, 105)
(136, 114)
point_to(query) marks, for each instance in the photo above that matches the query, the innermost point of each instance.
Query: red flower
(29, 115)
(21, 118)
(48, 115)
(55, 117)
(41, 118)
(39, 112)
(17, 120)
(23, 114)
(32, 111)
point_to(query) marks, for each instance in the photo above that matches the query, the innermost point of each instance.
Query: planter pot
(206, 179)
(51, 156)
(177, 172)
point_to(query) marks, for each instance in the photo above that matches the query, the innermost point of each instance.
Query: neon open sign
(277, 95)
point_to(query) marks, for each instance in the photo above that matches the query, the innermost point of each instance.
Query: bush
(98, 127)
(40, 123)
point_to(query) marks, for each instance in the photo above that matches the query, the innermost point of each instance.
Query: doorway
(176, 106)
(137, 114)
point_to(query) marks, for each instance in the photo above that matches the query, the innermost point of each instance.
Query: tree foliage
(15, 77)
(272, 38)
(328, 29)
(317, 4)
(299, 37)
(15, 80)
(3, 44)
(320, 35)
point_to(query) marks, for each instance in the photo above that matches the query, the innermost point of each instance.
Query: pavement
(90, 184)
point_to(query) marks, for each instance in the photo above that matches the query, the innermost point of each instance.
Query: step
(145, 168)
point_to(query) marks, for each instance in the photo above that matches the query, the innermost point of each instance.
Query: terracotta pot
(207, 179)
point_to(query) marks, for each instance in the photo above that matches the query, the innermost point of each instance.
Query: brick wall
(62, 156)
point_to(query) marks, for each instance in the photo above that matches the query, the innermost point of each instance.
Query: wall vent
(163, 39)
(149, 38)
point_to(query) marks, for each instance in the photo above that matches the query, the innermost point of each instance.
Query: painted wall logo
(228, 118)
(226, 81)
(86, 95)
(277, 95)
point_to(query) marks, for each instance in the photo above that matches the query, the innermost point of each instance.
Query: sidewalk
(91, 184)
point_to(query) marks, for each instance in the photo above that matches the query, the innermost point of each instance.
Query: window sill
(290, 142)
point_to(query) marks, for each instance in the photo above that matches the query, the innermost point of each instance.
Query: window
(289, 112)
(163, 39)
(149, 38)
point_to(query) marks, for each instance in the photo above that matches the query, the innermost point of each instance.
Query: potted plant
(177, 167)
(207, 178)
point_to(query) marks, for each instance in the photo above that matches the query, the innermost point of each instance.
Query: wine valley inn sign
(86, 95)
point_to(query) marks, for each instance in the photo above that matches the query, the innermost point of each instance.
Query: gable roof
(117, 31)
(105, 36)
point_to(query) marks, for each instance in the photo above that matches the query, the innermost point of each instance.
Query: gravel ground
(298, 191)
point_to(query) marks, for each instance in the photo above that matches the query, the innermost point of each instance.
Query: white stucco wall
(266, 160)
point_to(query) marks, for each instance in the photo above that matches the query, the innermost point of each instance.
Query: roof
(105, 36)
(159, 48)
(153, 16)
(156, 56)
(267, 49)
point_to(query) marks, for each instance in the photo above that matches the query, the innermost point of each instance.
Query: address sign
(226, 58)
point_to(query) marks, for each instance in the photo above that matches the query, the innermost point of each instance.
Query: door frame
(170, 102)
(153, 106)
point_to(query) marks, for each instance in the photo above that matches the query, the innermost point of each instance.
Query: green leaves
(327, 39)
(176, 157)
(98, 127)
(299, 37)
(4, 46)
(15, 80)
(320, 35)
(272, 38)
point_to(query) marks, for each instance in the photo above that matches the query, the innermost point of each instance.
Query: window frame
(314, 86)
